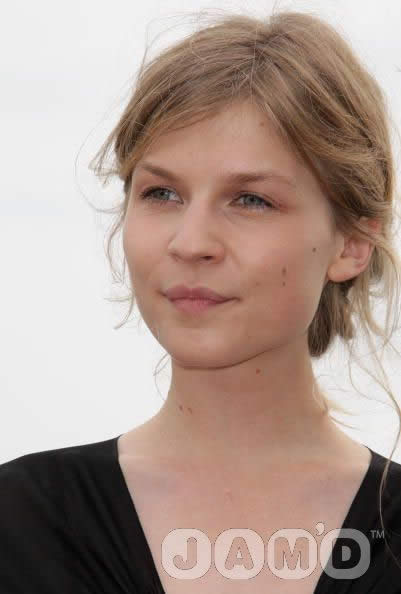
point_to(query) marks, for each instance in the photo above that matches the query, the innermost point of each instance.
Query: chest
(209, 534)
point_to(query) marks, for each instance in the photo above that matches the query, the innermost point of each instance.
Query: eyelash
(146, 195)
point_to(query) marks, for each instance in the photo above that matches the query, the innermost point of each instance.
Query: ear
(353, 255)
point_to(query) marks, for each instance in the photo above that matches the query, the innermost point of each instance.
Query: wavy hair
(306, 78)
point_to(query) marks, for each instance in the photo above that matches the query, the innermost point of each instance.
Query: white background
(66, 376)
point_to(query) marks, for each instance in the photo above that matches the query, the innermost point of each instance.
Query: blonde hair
(305, 77)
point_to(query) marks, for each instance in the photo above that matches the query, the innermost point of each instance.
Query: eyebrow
(232, 177)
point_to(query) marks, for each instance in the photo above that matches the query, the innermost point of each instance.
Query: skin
(242, 383)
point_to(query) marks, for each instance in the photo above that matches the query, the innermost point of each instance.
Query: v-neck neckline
(352, 519)
(366, 493)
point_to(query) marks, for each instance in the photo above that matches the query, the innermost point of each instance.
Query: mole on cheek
(284, 272)
(180, 406)
(190, 410)
(314, 249)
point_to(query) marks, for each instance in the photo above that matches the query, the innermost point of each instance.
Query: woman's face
(268, 243)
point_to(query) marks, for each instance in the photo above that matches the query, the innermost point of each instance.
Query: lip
(197, 306)
(196, 293)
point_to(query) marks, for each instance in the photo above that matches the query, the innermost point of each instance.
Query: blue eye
(264, 202)
(149, 195)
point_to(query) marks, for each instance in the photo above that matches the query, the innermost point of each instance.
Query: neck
(212, 417)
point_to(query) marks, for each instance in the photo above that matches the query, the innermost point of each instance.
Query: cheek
(287, 286)
(302, 290)
(136, 250)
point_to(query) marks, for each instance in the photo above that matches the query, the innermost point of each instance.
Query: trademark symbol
(377, 533)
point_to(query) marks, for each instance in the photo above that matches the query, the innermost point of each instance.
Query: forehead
(240, 129)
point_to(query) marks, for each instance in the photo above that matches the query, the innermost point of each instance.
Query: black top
(68, 525)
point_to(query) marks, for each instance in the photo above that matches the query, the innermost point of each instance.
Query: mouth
(196, 306)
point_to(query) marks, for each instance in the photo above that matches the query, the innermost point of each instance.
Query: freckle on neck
(228, 494)
(182, 408)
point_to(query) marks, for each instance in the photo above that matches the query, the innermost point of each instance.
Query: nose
(197, 234)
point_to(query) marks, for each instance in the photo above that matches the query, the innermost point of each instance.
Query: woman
(258, 203)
